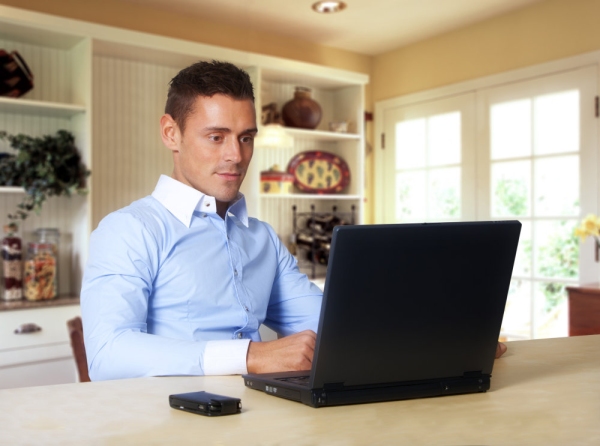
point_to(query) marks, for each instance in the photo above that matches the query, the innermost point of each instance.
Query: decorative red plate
(319, 172)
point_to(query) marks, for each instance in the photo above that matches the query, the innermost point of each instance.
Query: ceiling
(368, 27)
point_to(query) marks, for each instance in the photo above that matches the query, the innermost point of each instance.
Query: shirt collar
(182, 200)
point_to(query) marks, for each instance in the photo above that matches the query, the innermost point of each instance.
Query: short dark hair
(205, 79)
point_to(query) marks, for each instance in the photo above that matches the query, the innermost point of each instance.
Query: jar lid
(40, 245)
(47, 230)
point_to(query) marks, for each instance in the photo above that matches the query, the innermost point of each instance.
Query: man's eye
(215, 138)
(246, 139)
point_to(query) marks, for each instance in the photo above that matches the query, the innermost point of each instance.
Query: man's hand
(500, 349)
(292, 353)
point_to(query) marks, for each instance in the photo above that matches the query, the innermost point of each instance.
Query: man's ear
(169, 132)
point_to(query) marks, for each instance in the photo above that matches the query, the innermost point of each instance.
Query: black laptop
(409, 311)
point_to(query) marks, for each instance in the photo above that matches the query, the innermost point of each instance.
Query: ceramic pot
(302, 112)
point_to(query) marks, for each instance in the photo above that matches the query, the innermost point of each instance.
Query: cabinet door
(40, 357)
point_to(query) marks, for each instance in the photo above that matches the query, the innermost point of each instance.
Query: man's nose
(233, 151)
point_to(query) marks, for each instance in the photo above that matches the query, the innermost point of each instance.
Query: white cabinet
(39, 357)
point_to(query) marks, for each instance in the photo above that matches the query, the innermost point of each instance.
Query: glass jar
(39, 272)
(51, 236)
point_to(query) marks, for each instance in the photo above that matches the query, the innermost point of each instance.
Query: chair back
(76, 334)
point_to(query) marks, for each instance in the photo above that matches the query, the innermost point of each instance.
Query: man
(179, 282)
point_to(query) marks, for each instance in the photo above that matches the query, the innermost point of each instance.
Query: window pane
(410, 144)
(444, 193)
(556, 123)
(557, 186)
(517, 314)
(444, 139)
(511, 185)
(510, 129)
(522, 266)
(410, 196)
(556, 249)
(551, 310)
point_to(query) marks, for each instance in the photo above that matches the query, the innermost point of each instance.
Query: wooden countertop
(543, 392)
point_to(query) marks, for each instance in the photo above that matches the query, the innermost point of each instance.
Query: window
(430, 158)
(528, 153)
(530, 169)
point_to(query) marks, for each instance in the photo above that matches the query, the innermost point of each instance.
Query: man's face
(213, 153)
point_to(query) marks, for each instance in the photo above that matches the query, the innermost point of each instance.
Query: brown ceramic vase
(302, 112)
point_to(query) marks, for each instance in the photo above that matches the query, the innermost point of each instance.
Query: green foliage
(559, 258)
(512, 197)
(44, 166)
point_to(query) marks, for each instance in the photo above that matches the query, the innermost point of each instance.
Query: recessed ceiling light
(327, 7)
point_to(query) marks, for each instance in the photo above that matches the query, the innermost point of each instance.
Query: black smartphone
(204, 403)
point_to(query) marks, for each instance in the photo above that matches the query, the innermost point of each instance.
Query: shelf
(39, 108)
(321, 135)
(11, 190)
(24, 304)
(312, 196)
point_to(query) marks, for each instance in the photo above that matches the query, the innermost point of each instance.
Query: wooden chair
(76, 334)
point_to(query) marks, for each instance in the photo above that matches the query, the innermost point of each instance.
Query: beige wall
(546, 31)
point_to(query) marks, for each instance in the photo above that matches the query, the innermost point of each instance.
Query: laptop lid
(413, 302)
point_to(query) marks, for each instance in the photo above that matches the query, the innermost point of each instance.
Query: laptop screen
(410, 302)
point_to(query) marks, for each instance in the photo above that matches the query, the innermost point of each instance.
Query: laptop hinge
(333, 386)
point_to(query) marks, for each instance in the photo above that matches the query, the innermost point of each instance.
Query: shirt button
(204, 215)
(239, 335)
(235, 272)
(246, 308)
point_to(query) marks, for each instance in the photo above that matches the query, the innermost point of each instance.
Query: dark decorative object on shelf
(12, 263)
(312, 234)
(302, 112)
(319, 172)
(44, 166)
(15, 77)
(270, 114)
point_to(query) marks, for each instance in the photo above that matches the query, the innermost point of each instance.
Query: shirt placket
(237, 268)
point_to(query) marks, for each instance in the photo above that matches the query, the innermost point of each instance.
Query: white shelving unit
(108, 87)
(59, 100)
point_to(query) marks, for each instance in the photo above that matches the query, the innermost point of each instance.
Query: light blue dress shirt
(171, 288)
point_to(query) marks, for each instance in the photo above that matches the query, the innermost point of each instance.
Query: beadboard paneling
(51, 68)
(128, 156)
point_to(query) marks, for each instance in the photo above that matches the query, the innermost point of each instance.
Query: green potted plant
(44, 166)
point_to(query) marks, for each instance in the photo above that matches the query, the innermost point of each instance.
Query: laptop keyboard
(301, 380)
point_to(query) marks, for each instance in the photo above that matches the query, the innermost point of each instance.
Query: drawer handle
(27, 328)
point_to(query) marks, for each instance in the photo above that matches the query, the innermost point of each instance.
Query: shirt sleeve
(295, 302)
(117, 283)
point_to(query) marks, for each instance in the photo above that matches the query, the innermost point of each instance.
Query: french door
(524, 150)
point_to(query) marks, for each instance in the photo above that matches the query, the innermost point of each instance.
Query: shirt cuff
(226, 357)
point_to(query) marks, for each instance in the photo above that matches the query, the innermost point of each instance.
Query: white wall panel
(128, 155)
